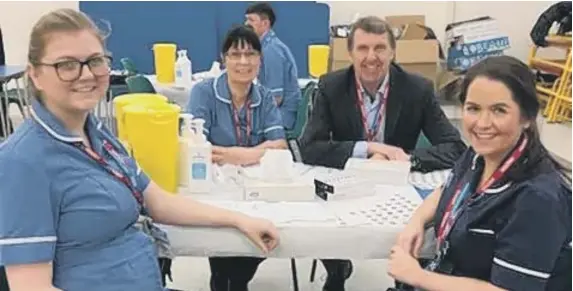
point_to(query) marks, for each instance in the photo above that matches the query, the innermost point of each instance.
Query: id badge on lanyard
(116, 174)
(237, 123)
(459, 202)
(372, 131)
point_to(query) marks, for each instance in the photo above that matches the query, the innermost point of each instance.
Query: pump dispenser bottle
(199, 159)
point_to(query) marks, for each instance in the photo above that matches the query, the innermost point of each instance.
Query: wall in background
(200, 28)
(17, 18)
(516, 25)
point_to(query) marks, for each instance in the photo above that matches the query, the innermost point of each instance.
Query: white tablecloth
(362, 228)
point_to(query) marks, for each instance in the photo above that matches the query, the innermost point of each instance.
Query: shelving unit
(556, 96)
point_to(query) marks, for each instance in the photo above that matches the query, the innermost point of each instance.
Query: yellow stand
(558, 97)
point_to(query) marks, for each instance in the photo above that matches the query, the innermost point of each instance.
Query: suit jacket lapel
(354, 116)
(394, 104)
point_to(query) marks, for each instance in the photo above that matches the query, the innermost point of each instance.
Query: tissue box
(296, 190)
(393, 173)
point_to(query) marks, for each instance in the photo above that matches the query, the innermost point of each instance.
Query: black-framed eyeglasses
(249, 55)
(71, 70)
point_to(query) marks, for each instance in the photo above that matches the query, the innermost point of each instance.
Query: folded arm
(185, 211)
(447, 145)
(317, 146)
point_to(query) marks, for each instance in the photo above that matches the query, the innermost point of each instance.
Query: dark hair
(263, 10)
(519, 79)
(371, 24)
(239, 36)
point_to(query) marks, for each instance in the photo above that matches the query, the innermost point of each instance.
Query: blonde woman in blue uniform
(241, 121)
(503, 218)
(70, 194)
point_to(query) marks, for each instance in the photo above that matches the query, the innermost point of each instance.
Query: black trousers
(235, 273)
(3, 280)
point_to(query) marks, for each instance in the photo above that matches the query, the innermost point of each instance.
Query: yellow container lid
(164, 46)
(151, 108)
(137, 97)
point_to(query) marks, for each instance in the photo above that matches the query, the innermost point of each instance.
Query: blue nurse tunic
(279, 74)
(517, 235)
(57, 204)
(211, 100)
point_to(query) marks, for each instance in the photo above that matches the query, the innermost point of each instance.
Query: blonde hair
(61, 20)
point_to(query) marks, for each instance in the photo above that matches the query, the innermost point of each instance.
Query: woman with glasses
(70, 194)
(241, 121)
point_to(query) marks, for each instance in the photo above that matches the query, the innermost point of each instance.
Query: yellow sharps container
(129, 99)
(153, 134)
(164, 58)
(318, 60)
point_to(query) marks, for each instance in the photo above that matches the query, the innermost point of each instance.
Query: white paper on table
(289, 212)
(429, 181)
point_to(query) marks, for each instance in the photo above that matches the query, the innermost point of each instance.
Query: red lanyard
(102, 162)
(371, 132)
(451, 214)
(237, 124)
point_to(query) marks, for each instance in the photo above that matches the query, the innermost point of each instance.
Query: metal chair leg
(313, 270)
(294, 275)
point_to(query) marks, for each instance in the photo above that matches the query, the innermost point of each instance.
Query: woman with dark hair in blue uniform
(70, 195)
(241, 121)
(503, 218)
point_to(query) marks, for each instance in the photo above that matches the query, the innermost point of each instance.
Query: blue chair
(129, 66)
(302, 111)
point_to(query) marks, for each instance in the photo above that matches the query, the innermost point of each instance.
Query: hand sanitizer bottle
(199, 157)
(183, 72)
(185, 141)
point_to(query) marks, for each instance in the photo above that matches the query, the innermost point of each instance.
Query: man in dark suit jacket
(374, 109)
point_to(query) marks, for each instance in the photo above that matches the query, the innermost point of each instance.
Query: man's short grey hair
(371, 24)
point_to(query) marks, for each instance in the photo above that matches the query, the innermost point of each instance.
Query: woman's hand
(261, 232)
(237, 155)
(379, 157)
(411, 238)
(403, 267)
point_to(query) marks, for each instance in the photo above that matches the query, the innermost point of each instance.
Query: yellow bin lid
(126, 99)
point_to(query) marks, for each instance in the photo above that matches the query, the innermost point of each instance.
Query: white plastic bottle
(183, 72)
(185, 141)
(199, 157)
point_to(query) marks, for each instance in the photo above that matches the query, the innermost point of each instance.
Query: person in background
(374, 109)
(278, 68)
(71, 195)
(503, 218)
(241, 122)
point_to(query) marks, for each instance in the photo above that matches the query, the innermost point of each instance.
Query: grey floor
(192, 274)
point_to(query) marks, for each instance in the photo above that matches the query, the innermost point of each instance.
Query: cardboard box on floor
(339, 53)
(414, 53)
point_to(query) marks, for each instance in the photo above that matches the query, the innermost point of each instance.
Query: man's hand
(237, 155)
(380, 157)
(388, 151)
